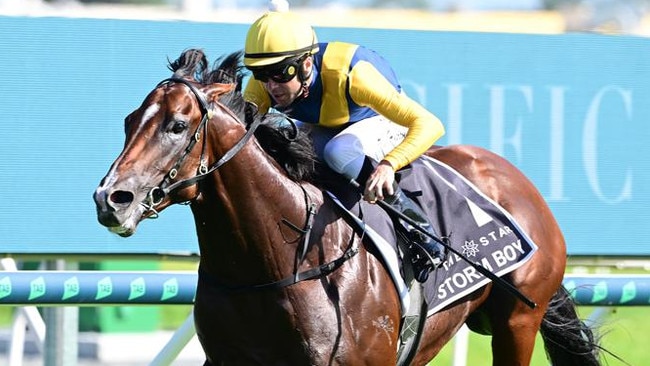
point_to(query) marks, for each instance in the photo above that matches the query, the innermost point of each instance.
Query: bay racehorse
(283, 278)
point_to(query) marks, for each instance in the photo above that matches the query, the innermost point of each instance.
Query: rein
(157, 194)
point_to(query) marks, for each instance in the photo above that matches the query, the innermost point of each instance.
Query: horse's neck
(240, 213)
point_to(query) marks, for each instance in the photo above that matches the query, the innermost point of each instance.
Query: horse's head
(165, 143)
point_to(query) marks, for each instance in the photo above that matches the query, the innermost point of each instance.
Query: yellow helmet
(276, 36)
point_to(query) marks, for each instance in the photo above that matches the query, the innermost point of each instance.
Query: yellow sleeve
(255, 93)
(369, 88)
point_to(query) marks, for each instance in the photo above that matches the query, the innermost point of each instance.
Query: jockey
(348, 97)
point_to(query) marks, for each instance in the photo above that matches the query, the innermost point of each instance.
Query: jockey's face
(285, 93)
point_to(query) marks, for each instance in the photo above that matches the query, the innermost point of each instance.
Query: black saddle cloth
(475, 226)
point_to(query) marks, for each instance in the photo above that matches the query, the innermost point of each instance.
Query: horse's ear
(215, 90)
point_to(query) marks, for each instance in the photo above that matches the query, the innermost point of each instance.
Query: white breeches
(345, 150)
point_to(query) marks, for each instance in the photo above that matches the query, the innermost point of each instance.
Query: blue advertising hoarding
(570, 110)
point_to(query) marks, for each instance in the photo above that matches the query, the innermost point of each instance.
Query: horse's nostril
(121, 197)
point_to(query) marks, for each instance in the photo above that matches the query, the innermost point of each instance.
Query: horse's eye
(178, 127)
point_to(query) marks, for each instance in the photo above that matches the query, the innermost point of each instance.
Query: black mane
(277, 134)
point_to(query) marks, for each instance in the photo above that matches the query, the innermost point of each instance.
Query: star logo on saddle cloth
(470, 248)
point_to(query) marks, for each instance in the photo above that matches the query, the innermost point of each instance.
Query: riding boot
(427, 253)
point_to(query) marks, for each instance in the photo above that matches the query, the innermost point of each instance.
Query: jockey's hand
(380, 183)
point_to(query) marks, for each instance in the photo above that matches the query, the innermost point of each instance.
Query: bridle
(157, 194)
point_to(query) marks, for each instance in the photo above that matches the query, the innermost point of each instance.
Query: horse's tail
(567, 339)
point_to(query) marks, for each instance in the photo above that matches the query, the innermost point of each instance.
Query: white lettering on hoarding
(498, 139)
(590, 145)
(556, 150)
(499, 111)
